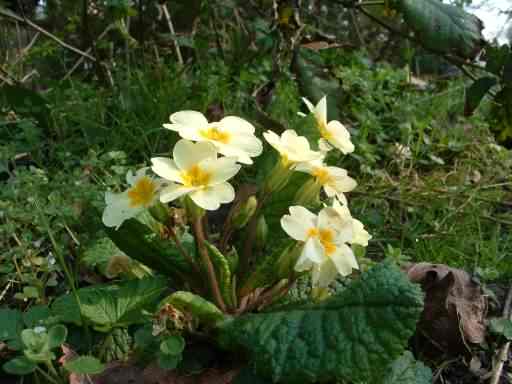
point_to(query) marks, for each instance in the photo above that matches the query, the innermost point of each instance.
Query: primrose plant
(233, 256)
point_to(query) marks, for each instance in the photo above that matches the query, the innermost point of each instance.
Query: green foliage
(476, 92)
(205, 311)
(406, 370)
(443, 28)
(10, 324)
(502, 327)
(107, 307)
(20, 366)
(87, 365)
(369, 325)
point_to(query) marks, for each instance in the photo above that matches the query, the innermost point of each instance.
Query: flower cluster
(209, 154)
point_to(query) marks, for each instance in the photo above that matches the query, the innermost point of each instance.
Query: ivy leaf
(476, 92)
(86, 365)
(110, 306)
(406, 370)
(443, 27)
(353, 336)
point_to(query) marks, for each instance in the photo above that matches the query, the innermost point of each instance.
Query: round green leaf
(57, 335)
(19, 366)
(173, 345)
(85, 365)
(168, 361)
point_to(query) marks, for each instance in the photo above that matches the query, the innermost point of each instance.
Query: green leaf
(86, 365)
(507, 70)
(10, 324)
(406, 370)
(205, 311)
(144, 245)
(19, 366)
(57, 336)
(168, 361)
(443, 28)
(26, 102)
(476, 92)
(354, 335)
(173, 345)
(502, 327)
(34, 340)
(36, 315)
(111, 306)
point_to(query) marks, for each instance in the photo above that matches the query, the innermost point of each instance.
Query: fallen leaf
(455, 308)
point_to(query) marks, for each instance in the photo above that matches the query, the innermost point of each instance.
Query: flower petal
(189, 118)
(331, 219)
(173, 191)
(298, 222)
(344, 259)
(220, 170)
(340, 137)
(309, 104)
(166, 168)
(118, 209)
(237, 124)
(186, 153)
(210, 198)
(361, 236)
(273, 139)
(321, 110)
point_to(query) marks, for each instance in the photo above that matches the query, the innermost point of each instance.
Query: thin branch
(171, 29)
(11, 15)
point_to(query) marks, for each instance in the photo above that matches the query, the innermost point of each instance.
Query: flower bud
(261, 232)
(245, 212)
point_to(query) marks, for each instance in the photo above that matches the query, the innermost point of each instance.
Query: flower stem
(205, 258)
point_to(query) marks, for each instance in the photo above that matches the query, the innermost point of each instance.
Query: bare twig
(11, 15)
(173, 33)
(503, 354)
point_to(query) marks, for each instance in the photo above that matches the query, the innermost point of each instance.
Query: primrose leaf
(406, 370)
(352, 336)
(111, 305)
(443, 27)
(205, 311)
(476, 92)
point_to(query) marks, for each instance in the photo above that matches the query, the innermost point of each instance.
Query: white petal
(243, 147)
(186, 153)
(303, 264)
(237, 124)
(314, 251)
(361, 236)
(324, 146)
(309, 104)
(340, 137)
(210, 198)
(166, 168)
(220, 170)
(173, 191)
(132, 178)
(341, 181)
(118, 209)
(273, 139)
(321, 110)
(172, 127)
(324, 274)
(344, 259)
(191, 133)
(341, 198)
(297, 224)
(189, 118)
(330, 219)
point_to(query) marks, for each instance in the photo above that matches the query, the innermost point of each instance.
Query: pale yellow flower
(196, 171)
(333, 133)
(142, 194)
(292, 148)
(232, 136)
(325, 251)
(359, 235)
(335, 181)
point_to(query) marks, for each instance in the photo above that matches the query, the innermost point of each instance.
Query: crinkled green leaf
(406, 370)
(443, 27)
(354, 335)
(87, 365)
(476, 92)
(502, 327)
(111, 306)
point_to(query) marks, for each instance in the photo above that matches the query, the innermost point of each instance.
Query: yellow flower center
(195, 177)
(326, 237)
(322, 176)
(142, 193)
(324, 131)
(213, 133)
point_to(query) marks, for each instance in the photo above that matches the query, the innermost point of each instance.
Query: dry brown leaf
(455, 308)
